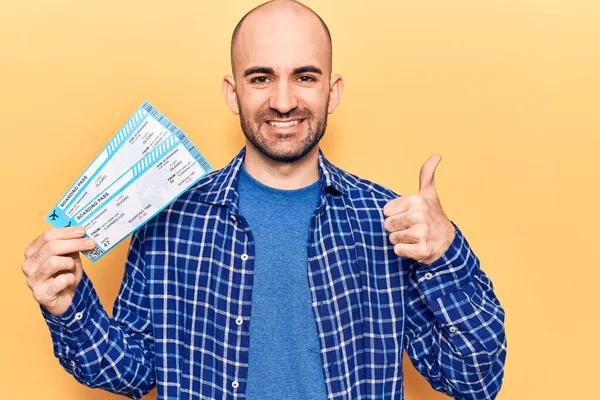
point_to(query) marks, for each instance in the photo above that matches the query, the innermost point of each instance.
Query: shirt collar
(222, 189)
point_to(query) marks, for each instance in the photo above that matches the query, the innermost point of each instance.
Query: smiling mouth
(284, 124)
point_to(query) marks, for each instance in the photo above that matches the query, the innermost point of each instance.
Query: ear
(228, 87)
(336, 87)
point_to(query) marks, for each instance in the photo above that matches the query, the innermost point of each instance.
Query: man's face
(282, 74)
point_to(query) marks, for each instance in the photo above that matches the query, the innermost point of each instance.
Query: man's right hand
(53, 266)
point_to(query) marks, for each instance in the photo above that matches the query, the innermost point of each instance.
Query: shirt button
(239, 321)
(244, 257)
(78, 316)
(428, 276)
(235, 384)
(453, 329)
(73, 363)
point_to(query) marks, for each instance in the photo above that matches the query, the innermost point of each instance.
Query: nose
(283, 99)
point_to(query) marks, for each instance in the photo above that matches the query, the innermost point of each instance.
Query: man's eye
(306, 79)
(261, 80)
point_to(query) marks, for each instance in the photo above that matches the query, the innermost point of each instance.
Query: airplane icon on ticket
(53, 216)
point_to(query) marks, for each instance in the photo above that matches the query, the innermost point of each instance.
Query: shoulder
(200, 189)
(359, 189)
(190, 204)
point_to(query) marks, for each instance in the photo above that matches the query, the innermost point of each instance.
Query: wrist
(445, 242)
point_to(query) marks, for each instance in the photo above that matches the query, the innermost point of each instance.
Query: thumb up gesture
(419, 228)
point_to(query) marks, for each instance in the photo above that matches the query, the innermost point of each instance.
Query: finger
(397, 222)
(58, 248)
(427, 174)
(75, 255)
(415, 215)
(51, 267)
(78, 268)
(406, 250)
(406, 236)
(39, 264)
(397, 205)
(73, 232)
(58, 284)
(403, 204)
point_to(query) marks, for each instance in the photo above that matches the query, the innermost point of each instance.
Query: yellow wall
(506, 90)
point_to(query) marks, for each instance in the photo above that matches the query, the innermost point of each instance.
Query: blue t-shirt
(284, 360)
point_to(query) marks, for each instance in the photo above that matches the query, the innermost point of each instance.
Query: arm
(454, 330)
(455, 325)
(115, 354)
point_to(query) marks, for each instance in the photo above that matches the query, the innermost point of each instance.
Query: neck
(280, 175)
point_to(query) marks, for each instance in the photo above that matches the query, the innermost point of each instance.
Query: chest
(201, 277)
(206, 266)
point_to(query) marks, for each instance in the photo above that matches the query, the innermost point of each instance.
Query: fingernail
(90, 242)
(78, 230)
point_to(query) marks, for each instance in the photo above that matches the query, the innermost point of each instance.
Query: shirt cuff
(451, 289)
(74, 320)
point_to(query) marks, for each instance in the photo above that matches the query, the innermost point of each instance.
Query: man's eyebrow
(258, 70)
(307, 68)
(270, 71)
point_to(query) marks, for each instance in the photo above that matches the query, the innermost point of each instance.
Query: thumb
(427, 175)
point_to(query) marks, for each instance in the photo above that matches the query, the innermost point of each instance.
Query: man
(280, 276)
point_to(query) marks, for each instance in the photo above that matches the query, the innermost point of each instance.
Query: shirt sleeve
(115, 354)
(455, 333)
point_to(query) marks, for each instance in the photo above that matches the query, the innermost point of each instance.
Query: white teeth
(284, 124)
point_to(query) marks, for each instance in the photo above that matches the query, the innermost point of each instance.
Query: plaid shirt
(182, 314)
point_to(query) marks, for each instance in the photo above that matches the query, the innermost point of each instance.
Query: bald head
(282, 86)
(273, 19)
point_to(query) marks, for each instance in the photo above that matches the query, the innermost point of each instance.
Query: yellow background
(507, 91)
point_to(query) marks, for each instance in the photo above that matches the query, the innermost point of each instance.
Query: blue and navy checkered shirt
(180, 321)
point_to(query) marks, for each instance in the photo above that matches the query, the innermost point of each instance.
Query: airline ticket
(144, 168)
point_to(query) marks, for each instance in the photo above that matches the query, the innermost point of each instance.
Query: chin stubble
(311, 140)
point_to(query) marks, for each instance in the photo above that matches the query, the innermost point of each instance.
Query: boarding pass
(144, 168)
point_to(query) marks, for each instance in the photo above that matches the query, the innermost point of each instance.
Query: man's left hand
(419, 228)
